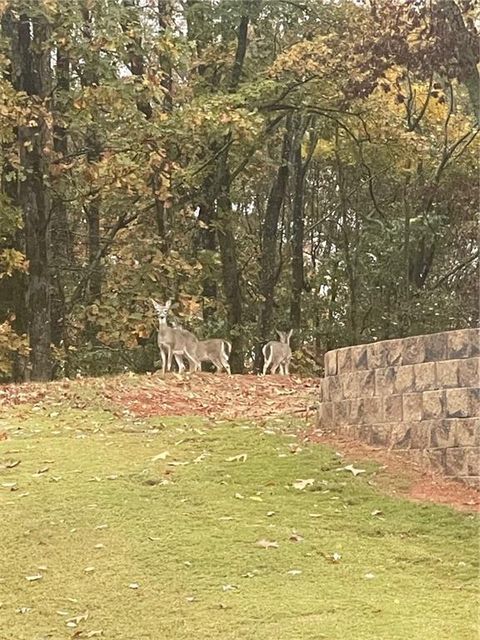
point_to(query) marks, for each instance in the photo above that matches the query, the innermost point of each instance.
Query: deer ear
(289, 335)
(168, 304)
(279, 333)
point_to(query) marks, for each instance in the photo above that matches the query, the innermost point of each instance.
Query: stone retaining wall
(418, 394)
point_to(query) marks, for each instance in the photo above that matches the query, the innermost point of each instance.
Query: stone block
(420, 435)
(376, 355)
(356, 410)
(364, 433)
(400, 436)
(351, 388)
(456, 461)
(436, 459)
(413, 350)
(436, 347)
(330, 363)
(463, 403)
(350, 431)
(344, 360)
(468, 375)
(359, 357)
(424, 376)
(447, 374)
(393, 408)
(434, 404)
(404, 380)
(372, 411)
(321, 390)
(384, 381)
(341, 413)
(325, 415)
(412, 407)
(335, 390)
(463, 343)
(472, 455)
(358, 384)
(442, 434)
(380, 435)
(467, 432)
(394, 350)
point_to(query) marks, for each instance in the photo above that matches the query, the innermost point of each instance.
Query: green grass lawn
(166, 548)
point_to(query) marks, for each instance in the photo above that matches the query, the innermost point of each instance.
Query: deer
(215, 350)
(174, 341)
(278, 354)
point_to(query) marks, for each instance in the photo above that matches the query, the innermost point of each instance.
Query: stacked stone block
(418, 394)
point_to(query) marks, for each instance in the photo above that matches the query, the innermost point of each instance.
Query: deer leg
(287, 367)
(267, 362)
(179, 361)
(163, 356)
(217, 364)
(194, 364)
(169, 358)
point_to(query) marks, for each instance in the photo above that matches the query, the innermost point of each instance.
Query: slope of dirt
(225, 397)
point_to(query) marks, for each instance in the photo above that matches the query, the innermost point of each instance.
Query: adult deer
(278, 354)
(174, 341)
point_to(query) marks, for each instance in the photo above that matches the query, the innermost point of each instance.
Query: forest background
(264, 163)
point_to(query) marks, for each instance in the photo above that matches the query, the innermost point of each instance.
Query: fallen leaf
(74, 622)
(295, 537)
(160, 456)
(255, 498)
(229, 587)
(134, 585)
(34, 578)
(10, 485)
(369, 576)
(89, 569)
(190, 598)
(267, 544)
(12, 464)
(43, 470)
(242, 457)
(377, 512)
(23, 609)
(112, 477)
(352, 469)
(101, 526)
(301, 484)
(294, 572)
(270, 514)
(239, 496)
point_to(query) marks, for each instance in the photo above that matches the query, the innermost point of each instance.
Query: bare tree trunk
(33, 76)
(94, 149)
(62, 253)
(268, 256)
(13, 290)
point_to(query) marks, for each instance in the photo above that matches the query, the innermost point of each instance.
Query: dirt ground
(243, 396)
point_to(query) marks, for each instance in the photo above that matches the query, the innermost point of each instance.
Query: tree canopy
(264, 163)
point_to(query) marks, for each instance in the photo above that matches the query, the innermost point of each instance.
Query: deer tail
(227, 348)
(265, 350)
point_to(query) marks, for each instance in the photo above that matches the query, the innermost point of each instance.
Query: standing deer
(278, 354)
(174, 341)
(216, 350)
